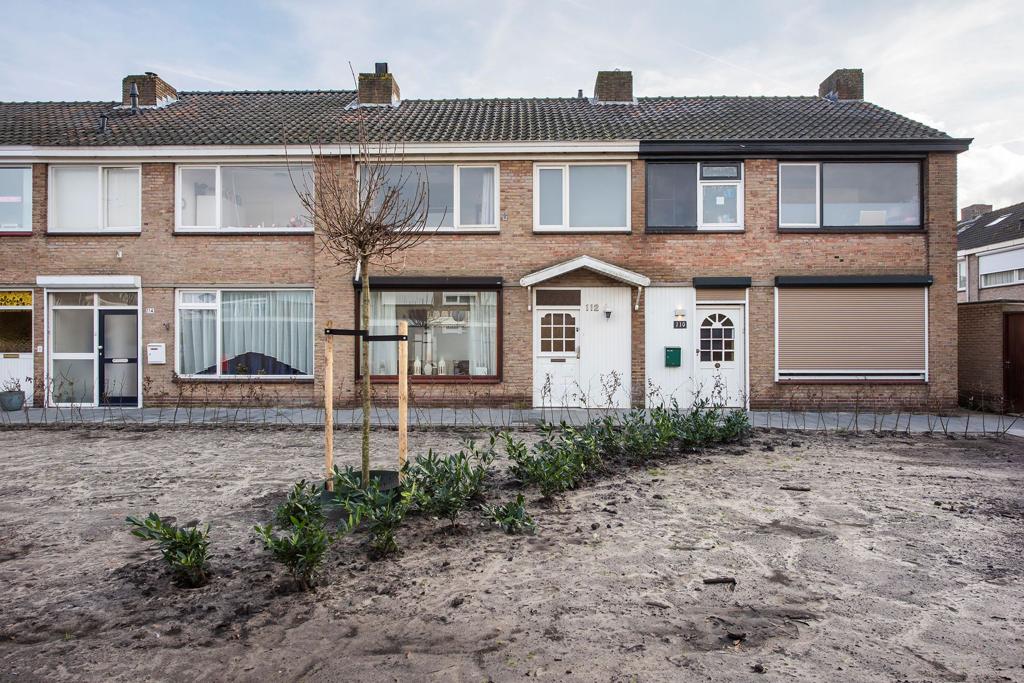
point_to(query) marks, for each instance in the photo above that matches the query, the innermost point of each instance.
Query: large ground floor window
(452, 333)
(245, 333)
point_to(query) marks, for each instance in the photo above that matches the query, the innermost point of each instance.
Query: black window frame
(820, 227)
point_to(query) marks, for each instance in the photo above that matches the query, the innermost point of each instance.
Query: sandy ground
(903, 562)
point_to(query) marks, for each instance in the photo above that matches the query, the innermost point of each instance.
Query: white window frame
(216, 168)
(961, 277)
(95, 307)
(28, 200)
(564, 167)
(817, 195)
(101, 209)
(719, 182)
(216, 307)
(456, 212)
(1018, 278)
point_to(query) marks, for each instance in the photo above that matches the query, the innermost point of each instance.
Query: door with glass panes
(720, 374)
(556, 357)
(16, 342)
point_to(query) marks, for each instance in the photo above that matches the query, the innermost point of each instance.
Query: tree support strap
(364, 335)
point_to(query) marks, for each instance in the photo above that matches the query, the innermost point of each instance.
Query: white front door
(556, 361)
(16, 342)
(721, 375)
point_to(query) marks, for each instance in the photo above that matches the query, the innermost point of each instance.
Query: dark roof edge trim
(853, 280)
(653, 149)
(432, 281)
(708, 282)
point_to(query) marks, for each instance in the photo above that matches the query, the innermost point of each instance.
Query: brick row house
(990, 290)
(606, 250)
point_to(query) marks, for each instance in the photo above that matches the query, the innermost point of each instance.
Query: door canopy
(587, 263)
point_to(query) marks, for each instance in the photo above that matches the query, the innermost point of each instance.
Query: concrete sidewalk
(963, 422)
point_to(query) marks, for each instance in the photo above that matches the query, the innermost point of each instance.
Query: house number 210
(592, 307)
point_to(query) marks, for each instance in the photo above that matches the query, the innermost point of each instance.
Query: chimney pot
(843, 84)
(378, 88)
(150, 89)
(614, 86)
(974, 210)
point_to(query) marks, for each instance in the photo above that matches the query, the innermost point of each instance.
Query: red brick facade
(166, 260)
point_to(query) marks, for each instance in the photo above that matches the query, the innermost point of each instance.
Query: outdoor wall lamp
(680, 315)
(607, 313)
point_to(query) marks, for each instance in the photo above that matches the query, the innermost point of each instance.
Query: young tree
(366, 208)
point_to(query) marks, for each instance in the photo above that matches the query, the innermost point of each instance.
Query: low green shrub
(446, 484)
(558, 461)
(301, 546)
(382, 512)
(301, 540)
(303, 502)
(511, 517)
(184, 549)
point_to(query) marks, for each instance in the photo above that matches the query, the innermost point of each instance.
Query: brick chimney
(843, 84)
(614, 87)
(379, 88)
(974, 210)
(153, 90)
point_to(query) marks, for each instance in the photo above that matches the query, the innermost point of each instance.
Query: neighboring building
(990, 253)
(990, 288)
(781, 251)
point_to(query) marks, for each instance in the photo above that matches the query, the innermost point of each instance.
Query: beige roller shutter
(842, 330)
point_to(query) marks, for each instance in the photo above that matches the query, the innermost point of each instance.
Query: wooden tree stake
(403, 397)
(329, 407)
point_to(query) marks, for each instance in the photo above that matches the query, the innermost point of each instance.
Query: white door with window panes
(557, 357)
(720, 375)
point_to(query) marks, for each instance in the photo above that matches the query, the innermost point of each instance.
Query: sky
(956, 66)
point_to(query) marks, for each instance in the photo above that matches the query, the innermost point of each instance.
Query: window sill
(242, 379)
(655, 230)
(465, 231)
(436, 379)
(246, 231)
(851, 381)
(581, 231)
(832, 230)
(1018, 283)
(15, 233)
(93, 233)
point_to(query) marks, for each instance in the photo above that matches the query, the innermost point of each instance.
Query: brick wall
(166, 261)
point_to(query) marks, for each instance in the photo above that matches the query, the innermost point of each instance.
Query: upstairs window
(458, 196)
(95, 199)
(689, 195)
(581, 197)
(961, 275)
(243, 198)
(850, 195)
(15, 199)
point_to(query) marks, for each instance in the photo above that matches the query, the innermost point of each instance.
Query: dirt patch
(863, 577)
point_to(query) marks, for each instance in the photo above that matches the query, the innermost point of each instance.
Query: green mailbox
(673, 356)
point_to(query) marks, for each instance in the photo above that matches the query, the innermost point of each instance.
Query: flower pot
(12, 400)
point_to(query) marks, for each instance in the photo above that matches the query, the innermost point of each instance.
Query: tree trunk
(364, 358)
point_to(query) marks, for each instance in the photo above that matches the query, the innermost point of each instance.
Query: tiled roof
(263, 118)
(1001, 225)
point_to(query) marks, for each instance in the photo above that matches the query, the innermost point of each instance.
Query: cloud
(953, 65)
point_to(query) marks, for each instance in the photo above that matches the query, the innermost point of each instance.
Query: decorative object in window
(451, 334)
